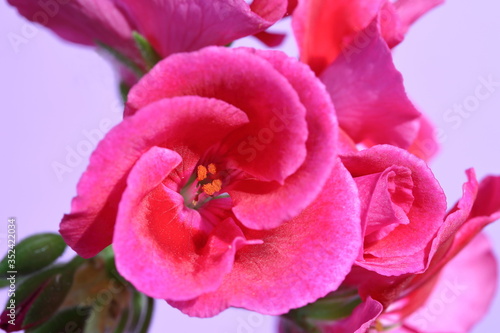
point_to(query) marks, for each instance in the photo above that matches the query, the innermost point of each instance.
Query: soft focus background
(58, 99)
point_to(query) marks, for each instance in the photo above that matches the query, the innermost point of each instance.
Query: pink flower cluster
(246, 178)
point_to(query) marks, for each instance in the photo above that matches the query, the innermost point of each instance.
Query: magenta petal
(479, 206)
(404, 249)
(426, 144)
(369, 96)
(272, 146)
(410, 11)
(463, 293)
(270, 39)
(288, 106)
(397, 17)
(298, 262)
(169, 123)
(179, 26)
(488, 199)
(300, 189)
(82, 21)
(156, 249)
(388, 198)
(454, 221)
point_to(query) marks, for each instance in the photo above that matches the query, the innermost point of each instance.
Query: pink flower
(347, 44)
(402, 208)
(170, 26)
(453, 300)
(479, 206)
(203, 188)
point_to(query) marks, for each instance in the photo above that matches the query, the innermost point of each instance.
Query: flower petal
(387, 197)
(404, 249)
(169, 123)
(298, 262)
(278, 203)
(467, 219)
(463, 293)
(181, 26)
(406, 13)
(369, 95)
(324, 27)
(272, 146)
(158, 244)
(426, 144)
(83, 22)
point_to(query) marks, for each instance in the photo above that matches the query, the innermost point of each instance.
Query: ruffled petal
(386, 198)
(287, 106)
(272, 146)
(404, 249)
(278, 203)
(158, 243)
(173, 123)
(298, 262)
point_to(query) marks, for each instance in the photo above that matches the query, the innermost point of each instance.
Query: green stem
(149, 315)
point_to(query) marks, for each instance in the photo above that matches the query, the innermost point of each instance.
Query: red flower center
(208, 180)
(204, 185)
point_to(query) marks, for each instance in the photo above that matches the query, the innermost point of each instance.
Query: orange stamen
(201, 173)
(212, 169)
(211, 188)
(218, 184)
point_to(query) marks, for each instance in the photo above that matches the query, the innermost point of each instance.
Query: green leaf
(149, 55)
(34, 253)
(50, 298)
(330, 309)
(69, 320)
(26, 287)
(124, 90)
(109, 262)
(127, 62)
(336, 306)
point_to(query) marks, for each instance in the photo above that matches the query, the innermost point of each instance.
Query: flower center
(208, 180)
(203, 186)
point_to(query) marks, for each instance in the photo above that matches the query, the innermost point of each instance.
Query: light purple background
(52, 93)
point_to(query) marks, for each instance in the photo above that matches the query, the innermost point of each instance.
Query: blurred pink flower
(347, 44)
(325, 28)
(369, 95)
(170, 26)
(455, 299)
(203, 188)
(452, 300)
